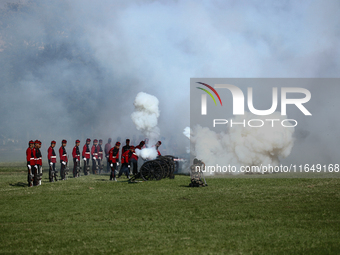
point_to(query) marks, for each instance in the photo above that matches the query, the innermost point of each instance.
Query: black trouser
(52, 173)
(113, 169)
(29, 174)
(37, 174)
(124, 169)
(62, 171)
(99, 161)
(108, 164)
(94, 166)
(86, 163)
(75, 167)
(133, 163)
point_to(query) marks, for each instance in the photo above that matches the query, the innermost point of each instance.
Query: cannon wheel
(167, 164)
(173, 164)
(151, 170)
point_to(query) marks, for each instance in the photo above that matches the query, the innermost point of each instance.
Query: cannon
(157, 169)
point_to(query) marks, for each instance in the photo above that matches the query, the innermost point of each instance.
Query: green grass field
(91, 215)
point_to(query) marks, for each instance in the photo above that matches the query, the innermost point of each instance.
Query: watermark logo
(204, 97)
(238, 99)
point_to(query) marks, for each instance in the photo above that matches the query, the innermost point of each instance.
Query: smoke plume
(145, 118)
(243, 146)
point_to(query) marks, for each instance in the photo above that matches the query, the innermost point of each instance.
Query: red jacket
(134, 156)
(125, 157)
(62, 154)
(86, 151)
(114, 155)
(94, 151)
(38, 157)
(100, 151)
(76, 152)
(51, 156)
(30, 156)
(125, 149)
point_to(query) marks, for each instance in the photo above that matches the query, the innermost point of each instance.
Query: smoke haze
(71, 69)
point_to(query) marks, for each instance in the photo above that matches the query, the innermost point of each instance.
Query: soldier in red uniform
(38, 164)
(76, 159)
(124, 149)
(133, 159)
(107, 149)
(94, 153)
(63, 159)
(114, 160)
(125, 168)
(86, 156)
(30, 158)
(52, 159)
(100, 155)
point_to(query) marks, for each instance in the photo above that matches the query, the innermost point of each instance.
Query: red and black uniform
(76, 159)
(133, 160)
(124, 149)
(38, 164)
(100, 151)
(107, 149)
(63, 160)
(100, 155)
(125, 168)
(114, 160)
(94, 153)
(52, 160)
(86, 156)
(30, 158)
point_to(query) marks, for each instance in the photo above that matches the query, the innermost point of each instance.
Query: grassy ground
(91, 215)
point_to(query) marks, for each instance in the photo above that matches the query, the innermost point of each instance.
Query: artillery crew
(30, 158)
(86, 156)
(128, 157)
(52, 160)
(63, 159)
(76, 159)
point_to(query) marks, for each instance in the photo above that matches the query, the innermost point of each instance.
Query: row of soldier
(128, 159)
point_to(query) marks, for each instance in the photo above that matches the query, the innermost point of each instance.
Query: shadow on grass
(19, 184)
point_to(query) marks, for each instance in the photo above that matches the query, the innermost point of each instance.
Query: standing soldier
(100, 155)
(38, 164)
(133, 159)
(52, 159)
(76, 160)
(125, 168)
(114, 160)
(124, 149)
(63, 159)
(107, 149)
(94, 153)
(86, 156)
(30, 158)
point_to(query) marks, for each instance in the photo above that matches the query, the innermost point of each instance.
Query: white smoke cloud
(187, 132)
(145, 118)
(243, 146)
(147, 153)
(146, 115)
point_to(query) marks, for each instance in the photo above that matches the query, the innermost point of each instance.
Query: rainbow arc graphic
(209, 93)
